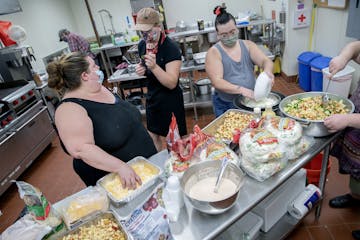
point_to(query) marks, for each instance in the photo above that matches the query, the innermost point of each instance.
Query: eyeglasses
(228, 34)
(145, 34)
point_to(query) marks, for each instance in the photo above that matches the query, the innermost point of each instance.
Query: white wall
(119, 9)
(42, 19)
(191, 10)
(328, 38)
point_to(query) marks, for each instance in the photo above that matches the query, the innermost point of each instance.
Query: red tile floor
(52, 173)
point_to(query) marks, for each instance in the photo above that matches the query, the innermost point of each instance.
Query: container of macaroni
(222, 127)
(147, 171)
(101, 226)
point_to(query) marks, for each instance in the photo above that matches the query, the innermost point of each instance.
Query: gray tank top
(239, 73)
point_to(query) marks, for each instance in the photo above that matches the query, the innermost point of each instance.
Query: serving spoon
(325, 98)
(224, 163)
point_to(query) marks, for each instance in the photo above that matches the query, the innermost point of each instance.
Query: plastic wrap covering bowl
(210, 169)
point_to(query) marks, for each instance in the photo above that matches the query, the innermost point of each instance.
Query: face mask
(101, 76)
(230, 41)
(151, 36)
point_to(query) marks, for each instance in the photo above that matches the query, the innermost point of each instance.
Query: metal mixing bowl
(208, 169)
(315, 128)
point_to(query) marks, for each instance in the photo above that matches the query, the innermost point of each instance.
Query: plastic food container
(213, 127)
(340, 82)
(316, 72)
(132, 193)
(304, 60)
(81, 206)
(204, 86)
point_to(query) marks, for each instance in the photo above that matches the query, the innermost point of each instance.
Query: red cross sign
(302, 18)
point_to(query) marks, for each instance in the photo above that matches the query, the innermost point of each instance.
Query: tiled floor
(52, 173)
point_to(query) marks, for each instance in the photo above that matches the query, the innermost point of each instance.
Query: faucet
(111, 20)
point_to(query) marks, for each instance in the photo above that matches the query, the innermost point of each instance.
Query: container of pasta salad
(307, 109)
(102, 226)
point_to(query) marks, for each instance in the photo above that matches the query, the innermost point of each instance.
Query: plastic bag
(4, 27)
(82, 204)
(259, 145)
(288, 131)
(38, 206)
(26, 229)
(185, 148)
(149, 221)
(173, 166)
(296, 150)
(218, 151)
(262, 170)
(173, 134)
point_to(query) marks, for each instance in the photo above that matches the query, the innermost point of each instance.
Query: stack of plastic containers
(317, 65)
(304, 60)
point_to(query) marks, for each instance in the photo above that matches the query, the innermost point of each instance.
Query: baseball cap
(61, 33)
(146, 19)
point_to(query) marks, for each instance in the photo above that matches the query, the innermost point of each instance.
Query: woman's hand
(128, 177)
(247, 92)
(271, 76)
(150, 61)
(140, 69)
(336, 122)
(336, 64)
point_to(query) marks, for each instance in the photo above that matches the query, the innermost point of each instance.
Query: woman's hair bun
(54, 70)
(218, 10)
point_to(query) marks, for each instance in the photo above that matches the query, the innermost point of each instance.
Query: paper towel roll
(299, 206)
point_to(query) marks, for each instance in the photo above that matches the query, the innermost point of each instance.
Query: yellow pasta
(105, 229)
(232, 121)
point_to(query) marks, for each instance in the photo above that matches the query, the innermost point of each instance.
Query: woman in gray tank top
(230, 63)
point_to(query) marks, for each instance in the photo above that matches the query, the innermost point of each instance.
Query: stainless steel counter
(193, 224)
(119, 76)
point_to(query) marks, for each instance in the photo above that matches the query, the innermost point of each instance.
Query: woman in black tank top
(99, 130)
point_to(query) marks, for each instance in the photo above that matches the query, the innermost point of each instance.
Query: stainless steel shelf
(212, 29)
(200, 101)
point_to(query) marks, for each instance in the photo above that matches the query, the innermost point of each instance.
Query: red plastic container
(313, 169)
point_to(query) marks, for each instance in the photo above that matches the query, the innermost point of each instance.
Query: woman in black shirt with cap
(161, 65)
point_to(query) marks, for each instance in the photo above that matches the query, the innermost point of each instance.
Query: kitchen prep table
(193, 224)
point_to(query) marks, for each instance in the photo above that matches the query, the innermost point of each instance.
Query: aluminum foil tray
(212, 127)
(118, 202)
(94, 220)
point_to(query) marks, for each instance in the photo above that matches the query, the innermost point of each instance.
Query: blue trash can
(317, 65)
(304, 60)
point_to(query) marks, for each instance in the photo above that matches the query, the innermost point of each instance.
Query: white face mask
(101, 76)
